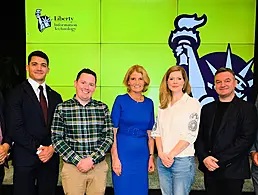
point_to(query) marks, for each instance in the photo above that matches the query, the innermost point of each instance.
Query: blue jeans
(177, 179)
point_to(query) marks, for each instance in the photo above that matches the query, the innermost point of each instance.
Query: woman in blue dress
(132, 151)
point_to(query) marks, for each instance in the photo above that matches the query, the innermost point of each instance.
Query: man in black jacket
(30, 107)
(227, 131)
(5, 141)
(254, 155)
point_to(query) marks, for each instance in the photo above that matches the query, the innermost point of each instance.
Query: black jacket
(233, 139)
(26, 124)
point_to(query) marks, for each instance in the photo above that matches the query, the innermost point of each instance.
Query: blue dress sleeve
(116, 111)
(152, 120)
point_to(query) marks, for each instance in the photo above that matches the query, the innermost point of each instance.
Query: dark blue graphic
(185, 41)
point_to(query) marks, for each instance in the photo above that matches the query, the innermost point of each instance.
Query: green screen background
(113, 35)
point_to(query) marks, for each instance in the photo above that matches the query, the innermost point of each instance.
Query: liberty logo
(43, 21)
(59, 23)
(185, 41)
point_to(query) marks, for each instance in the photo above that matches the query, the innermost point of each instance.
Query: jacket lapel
(212, 122)
(50, 103)
(29, 90)
(2, 119)
(2, 111)
(227, 114)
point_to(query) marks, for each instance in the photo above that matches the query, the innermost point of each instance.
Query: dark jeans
(218, 186)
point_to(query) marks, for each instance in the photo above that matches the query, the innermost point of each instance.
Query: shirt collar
(91, 102)
(36, 85)
(182, 100)
(184, 97)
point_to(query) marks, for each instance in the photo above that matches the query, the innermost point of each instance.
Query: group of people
(37, 127)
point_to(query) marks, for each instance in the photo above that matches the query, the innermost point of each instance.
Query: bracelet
(151, 155)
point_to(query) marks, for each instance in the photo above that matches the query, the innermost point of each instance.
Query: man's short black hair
(38, 54)
(87, 71)
(224, 69)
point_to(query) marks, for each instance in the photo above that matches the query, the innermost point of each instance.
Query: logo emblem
(43, 21)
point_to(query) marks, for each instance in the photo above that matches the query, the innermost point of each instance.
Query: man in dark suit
(5, 142)
(227, 131)
(254, 155)
(30, 108)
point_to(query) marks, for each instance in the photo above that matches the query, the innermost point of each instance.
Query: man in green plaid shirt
(82, 133)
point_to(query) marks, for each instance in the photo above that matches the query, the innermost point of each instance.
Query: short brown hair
(165, 95)
(139, 69)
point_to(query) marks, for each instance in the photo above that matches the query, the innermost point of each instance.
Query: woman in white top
(175, 132)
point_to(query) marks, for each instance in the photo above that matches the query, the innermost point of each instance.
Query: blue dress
(132, 119)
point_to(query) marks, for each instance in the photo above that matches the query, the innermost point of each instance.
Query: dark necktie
(43, 102)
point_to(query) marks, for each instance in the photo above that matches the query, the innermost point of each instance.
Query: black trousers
(40, 179)
(218, 186)
(254, 171)
(1, 177)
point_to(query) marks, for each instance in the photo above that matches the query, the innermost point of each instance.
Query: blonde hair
(139, 69)
(165, 95)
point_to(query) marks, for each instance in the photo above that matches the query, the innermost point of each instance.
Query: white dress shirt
(35, 87)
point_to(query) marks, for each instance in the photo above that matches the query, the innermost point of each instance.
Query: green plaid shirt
(82, 131)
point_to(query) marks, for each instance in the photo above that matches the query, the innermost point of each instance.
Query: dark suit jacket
(25, 122)
(6, 138)
(255, 145)
(233, 139)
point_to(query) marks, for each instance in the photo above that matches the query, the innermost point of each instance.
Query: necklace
(137, 99)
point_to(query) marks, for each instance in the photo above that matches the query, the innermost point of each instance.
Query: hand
(254, 156)
(211, 163)
(181, 49)
(151, 167)
(167, 161)
(85, 165)
(3, 152)
(116, 166)
(46, 153)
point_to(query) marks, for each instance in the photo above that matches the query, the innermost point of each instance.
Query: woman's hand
(151, 167)
(167, 161)
(116, 166)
